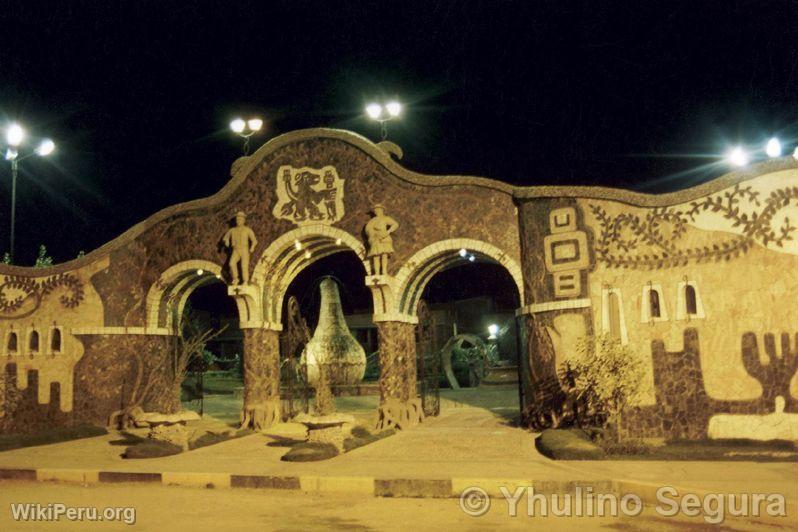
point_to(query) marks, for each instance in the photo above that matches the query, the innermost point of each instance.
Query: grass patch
(723, 450)
(568, 444)
(151, 449)
(361, 436)
(310, 452)
(55, 435)
(577, 444)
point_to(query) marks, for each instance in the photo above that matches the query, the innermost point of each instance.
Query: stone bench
(170, 428)
(326, 429)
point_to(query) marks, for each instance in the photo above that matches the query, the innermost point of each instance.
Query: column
(400, 406)
(261, 378)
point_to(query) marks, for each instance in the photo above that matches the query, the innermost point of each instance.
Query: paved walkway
(462, 442)
(465, 442)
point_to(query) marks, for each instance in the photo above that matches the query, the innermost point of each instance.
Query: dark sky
(138, 95)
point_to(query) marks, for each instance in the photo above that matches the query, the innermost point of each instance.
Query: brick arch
(287, 256)
(167, 296)
(414, 275)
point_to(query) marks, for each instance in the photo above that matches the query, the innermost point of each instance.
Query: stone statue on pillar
(378, 233)
(241, 239)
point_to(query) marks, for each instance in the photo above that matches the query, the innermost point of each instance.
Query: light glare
(238, 125)
(773, 148)
(374, 110)
(463, 252)
(45, 148)
(493, 330)
(15, 135)
(737, 156)
(795, 154)
(255, 124)
(11, 154)
(200, 271)
(394, 108)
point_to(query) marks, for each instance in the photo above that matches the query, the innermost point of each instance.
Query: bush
(361, 436)
(212, 438)
(310, 452)
(600, 381)
(151, 449)
(630, 447)
(567, 444)
(56, 435)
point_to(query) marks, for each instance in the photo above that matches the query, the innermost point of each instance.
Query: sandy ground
(159, 508)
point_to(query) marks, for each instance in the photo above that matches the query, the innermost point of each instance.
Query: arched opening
(471, 292)
(190, 300)
(690, 300)
(355, 396)
(13, 345)
(213, 384)
(55, 340)
(654, 305)
(472, 309)
(33, 342)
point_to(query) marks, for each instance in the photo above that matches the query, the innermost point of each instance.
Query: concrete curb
(376, 487)
(368, 486)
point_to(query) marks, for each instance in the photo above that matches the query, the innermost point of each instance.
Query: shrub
(310, 452)
(211, 438)
(600, 381)
(56, 435)
(567, 444)
(151, 449)
(361, 436)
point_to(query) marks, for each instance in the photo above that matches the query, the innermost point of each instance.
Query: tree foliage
(601, 381)
(43, 260)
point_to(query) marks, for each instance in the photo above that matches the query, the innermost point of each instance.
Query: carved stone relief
(309, 196)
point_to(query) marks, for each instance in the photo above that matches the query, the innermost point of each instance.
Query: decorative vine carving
(34, 290)
(652, 241)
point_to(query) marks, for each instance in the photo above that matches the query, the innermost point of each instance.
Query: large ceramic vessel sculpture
(332, 343)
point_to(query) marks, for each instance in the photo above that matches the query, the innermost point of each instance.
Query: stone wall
(730, 242)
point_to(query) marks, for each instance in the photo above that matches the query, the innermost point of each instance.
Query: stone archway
(414, 275)
(399, 297)
(167, 296)
(282, 261)
(277, 266)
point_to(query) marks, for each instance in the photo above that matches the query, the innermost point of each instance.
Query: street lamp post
(383, 114)
(245, 129)
(15, 135)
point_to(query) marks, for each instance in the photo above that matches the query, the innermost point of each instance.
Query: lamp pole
(14, 137)
(14, 173)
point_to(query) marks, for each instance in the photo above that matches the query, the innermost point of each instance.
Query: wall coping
(245, 166)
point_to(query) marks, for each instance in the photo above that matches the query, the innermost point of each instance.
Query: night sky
(138, 95)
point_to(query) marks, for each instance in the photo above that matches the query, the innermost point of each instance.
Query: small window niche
(33, 342)
(652, 308)
(689, 304)
(12, 343)
(612, 317)
(55, 340)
